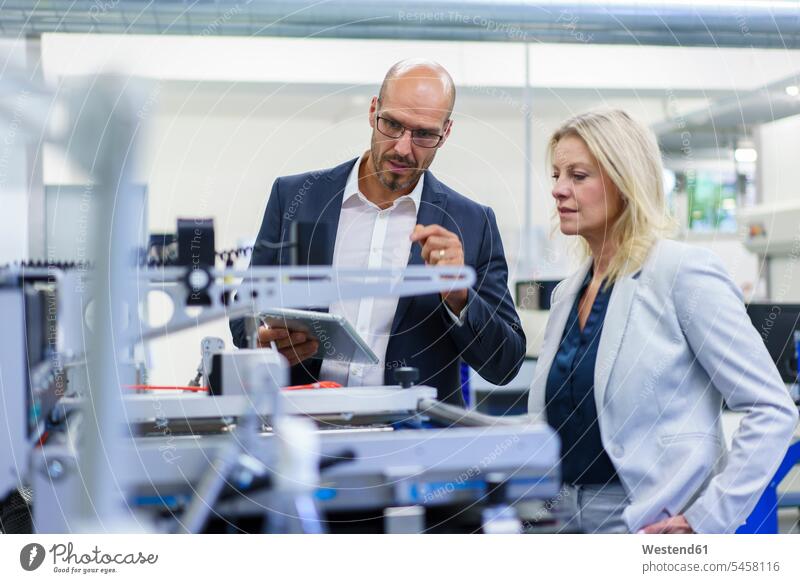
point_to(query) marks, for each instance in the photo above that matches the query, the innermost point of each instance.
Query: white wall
(779, 154)
(356, 62)
(779, 172)
(14, 157)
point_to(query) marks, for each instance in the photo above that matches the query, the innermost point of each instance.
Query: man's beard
(390, 180)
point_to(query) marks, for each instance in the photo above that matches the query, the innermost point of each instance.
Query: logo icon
(31, 556)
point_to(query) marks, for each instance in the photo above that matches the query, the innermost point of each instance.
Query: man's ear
(446, 135)
(373, 107)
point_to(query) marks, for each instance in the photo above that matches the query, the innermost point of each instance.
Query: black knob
(406, 376)
(328, 461)
(496, 489)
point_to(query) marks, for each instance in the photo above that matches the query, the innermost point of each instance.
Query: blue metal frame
(764, 518)
(465, 392)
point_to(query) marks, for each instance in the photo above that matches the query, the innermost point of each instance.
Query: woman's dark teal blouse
(569, 397)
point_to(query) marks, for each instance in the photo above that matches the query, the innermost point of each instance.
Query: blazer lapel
(431, 211)
(331, 194)
(614, 325)
(557, 320)
(331, 201)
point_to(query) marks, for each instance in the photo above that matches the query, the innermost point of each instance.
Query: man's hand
(295, 346)
(441, 247)
(672, 525)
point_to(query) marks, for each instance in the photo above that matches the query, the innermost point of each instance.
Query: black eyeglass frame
(403, 129)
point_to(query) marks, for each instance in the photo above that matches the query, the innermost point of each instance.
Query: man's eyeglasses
(422, 138)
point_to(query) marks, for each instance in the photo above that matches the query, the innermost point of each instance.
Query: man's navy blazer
(423, 334)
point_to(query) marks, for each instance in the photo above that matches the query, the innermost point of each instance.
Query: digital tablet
(337, 338)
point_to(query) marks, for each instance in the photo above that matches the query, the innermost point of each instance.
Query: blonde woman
(644, 343)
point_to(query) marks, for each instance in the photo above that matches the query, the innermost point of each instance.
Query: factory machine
(251, 455)
(772, 232)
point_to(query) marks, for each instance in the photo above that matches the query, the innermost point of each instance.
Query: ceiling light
(793, 90)
(745, 154)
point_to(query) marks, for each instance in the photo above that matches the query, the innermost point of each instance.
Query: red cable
(43, 438)
(319, 385)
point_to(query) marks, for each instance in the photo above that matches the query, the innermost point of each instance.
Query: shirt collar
(351, 187)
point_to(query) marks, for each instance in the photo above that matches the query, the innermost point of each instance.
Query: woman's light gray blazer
(676, 342)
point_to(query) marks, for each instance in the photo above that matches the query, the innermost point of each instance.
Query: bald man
(387, 210)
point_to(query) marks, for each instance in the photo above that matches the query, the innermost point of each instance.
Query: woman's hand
(671, 525)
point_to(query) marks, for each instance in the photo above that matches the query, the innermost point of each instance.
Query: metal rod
(527, 262)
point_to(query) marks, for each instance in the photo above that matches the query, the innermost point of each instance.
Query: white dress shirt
(370, 238)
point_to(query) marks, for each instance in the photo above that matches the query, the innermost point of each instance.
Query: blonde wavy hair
(628, 153)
